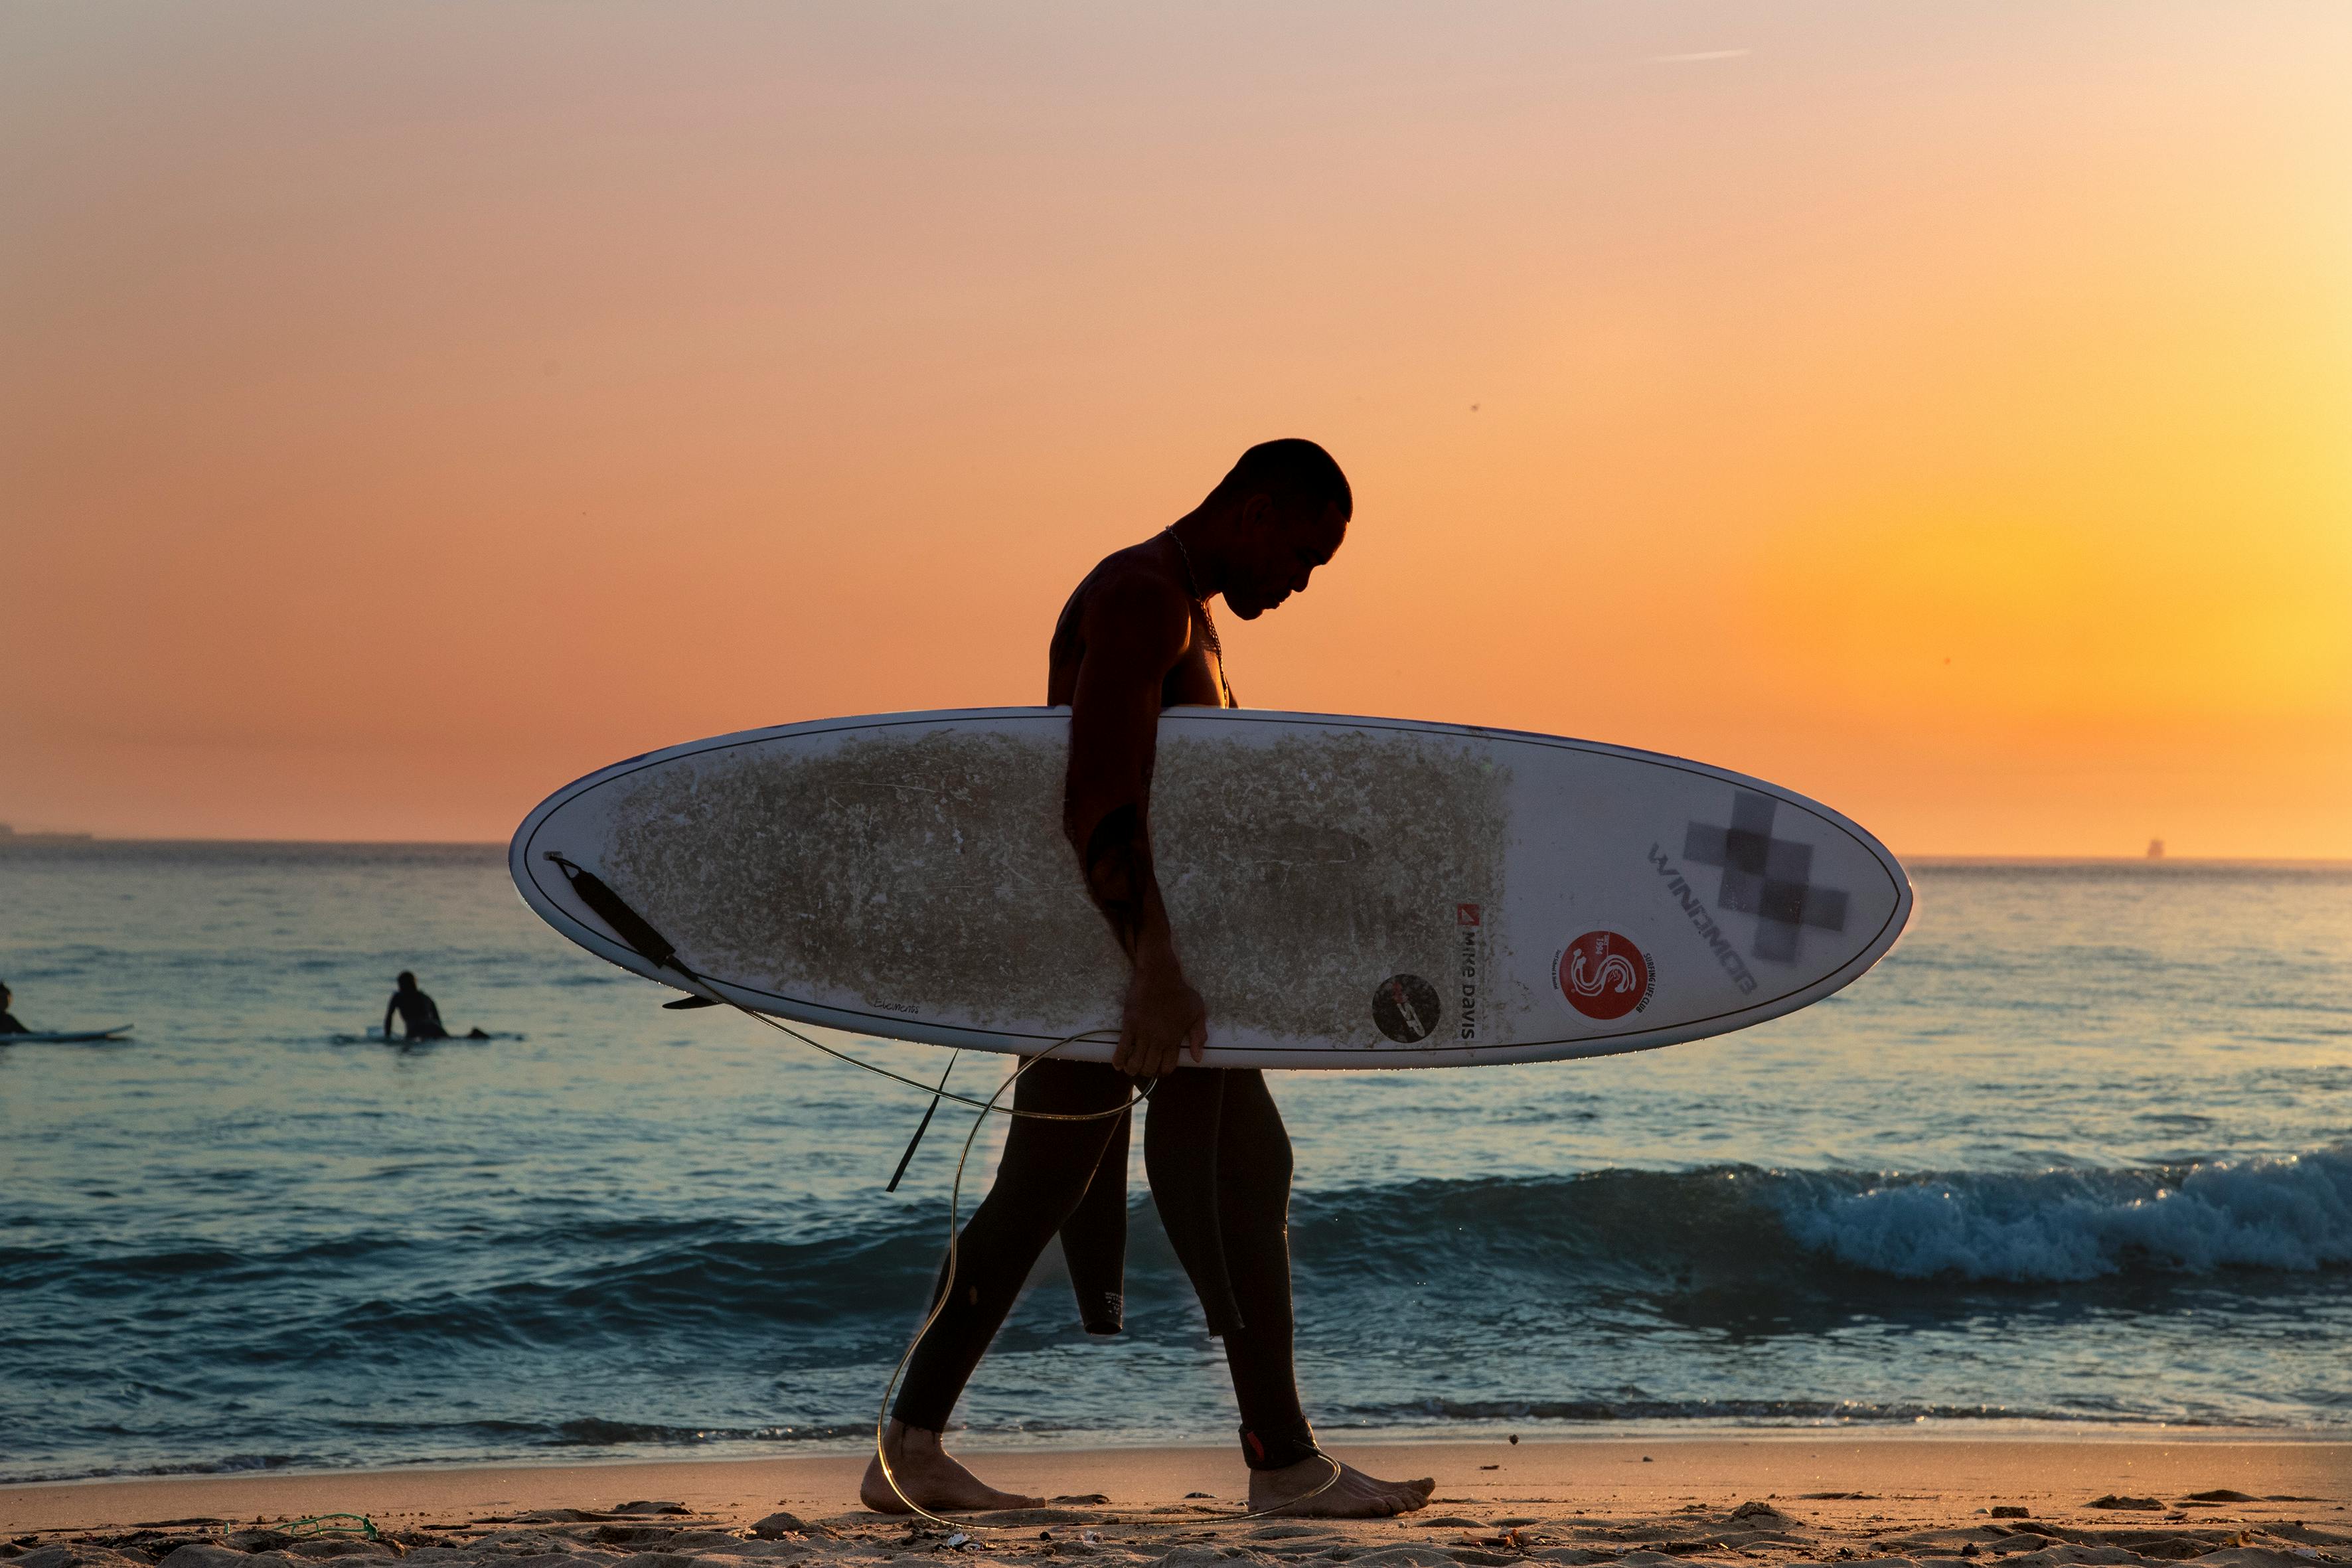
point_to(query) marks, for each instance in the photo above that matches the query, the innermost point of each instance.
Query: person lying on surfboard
(419, 1013)
(1135, 637)
(8, 1023)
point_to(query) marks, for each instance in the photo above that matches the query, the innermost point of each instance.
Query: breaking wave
(1757, 1226)
(812, 1310)
(2293, 1213)
(1764, 1234)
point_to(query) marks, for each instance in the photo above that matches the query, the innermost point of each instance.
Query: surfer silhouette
(8, 1023)
(419, 1015)
(1135, 638)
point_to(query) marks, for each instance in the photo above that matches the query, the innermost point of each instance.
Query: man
(8, 1023)
(418, 1015)
(1134, 638)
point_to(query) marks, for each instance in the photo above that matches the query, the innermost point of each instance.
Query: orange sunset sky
(1944, 409)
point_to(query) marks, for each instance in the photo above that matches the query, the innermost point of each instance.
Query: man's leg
(1254, 1211)
(1043, 1175)
(1180, 1152)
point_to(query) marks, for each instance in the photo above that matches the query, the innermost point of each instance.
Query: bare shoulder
(1133, 599)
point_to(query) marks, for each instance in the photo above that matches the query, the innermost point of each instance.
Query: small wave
(1762, 1234)
(1728, 1412)
(227, 1465)
(1736, 1247)
(494, 1436)
(2293, 1213)
(594, 1432)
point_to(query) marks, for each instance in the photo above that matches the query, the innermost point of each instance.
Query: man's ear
(1256, 512)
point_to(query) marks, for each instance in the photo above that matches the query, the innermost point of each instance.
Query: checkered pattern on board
(1765, 876)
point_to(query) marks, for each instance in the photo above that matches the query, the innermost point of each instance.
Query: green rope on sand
(318, 1525)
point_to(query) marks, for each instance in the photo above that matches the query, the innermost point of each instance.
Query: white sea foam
(2290, 1214)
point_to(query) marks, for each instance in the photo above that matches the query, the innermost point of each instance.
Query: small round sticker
(1406, 1008)
(1604, 974)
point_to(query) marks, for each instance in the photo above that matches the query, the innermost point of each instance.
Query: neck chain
(1207, 623)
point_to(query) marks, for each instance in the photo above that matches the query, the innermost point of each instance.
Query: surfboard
(64, 1037)
(1347, 893)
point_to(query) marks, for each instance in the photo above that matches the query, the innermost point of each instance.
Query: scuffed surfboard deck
(1347, 893)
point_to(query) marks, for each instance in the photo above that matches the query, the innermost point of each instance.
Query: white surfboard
(1346, 892)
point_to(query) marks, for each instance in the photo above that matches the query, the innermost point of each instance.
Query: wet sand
(1779, 1499)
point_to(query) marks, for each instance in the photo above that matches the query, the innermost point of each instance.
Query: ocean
(2076, 1156)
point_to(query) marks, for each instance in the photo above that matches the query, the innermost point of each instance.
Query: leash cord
(632, 927)
(948, 1267)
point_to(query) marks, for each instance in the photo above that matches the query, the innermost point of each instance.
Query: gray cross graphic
(1765, 876)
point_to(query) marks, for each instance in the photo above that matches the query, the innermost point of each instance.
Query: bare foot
(1354, 1495)
(930, 1478)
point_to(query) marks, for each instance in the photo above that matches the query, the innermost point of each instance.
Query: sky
(1941, 409)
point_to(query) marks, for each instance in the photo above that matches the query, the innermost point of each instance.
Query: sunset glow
(1945, 411)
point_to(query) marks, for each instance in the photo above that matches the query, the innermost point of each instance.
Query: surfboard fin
(685, 1003)
(625, 922)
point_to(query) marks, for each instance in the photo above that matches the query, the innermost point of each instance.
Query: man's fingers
(1196, 1038)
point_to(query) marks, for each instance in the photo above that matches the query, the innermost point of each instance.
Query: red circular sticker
(1604, 976)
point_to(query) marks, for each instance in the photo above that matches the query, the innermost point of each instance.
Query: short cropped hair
(1294, 473)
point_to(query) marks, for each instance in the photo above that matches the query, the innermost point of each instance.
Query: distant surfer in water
(419, 1013)
(1135, 638)
(8, 1023)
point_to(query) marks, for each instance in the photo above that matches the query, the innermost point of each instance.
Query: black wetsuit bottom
(1218, 1162)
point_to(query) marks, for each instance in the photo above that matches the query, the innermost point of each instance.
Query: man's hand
(1165, 1017)
(1138, 625)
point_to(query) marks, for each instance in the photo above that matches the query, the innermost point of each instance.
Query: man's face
(1285, 548)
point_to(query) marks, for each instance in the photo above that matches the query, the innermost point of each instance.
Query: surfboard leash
(638, 933)
(639, 936)
(947, 1289)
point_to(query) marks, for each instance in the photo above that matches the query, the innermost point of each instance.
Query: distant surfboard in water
(1346, 892)
(66, 1036)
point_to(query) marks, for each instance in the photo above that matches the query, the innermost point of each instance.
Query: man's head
(1286, 506)
(406, 981)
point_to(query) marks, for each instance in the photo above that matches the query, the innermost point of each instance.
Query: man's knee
(1255, 1148)
(1268, 1169)
(1046, 1170)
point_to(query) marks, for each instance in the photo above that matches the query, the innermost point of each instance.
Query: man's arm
(389, 1008)
(1136, 630)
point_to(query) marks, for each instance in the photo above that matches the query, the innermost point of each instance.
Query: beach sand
(1780, 1498)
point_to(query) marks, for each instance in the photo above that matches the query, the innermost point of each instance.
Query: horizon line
(54, 839)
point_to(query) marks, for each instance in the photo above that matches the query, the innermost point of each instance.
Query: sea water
(2077, 1155)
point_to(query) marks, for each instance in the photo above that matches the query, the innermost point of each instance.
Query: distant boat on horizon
(2156, 848)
